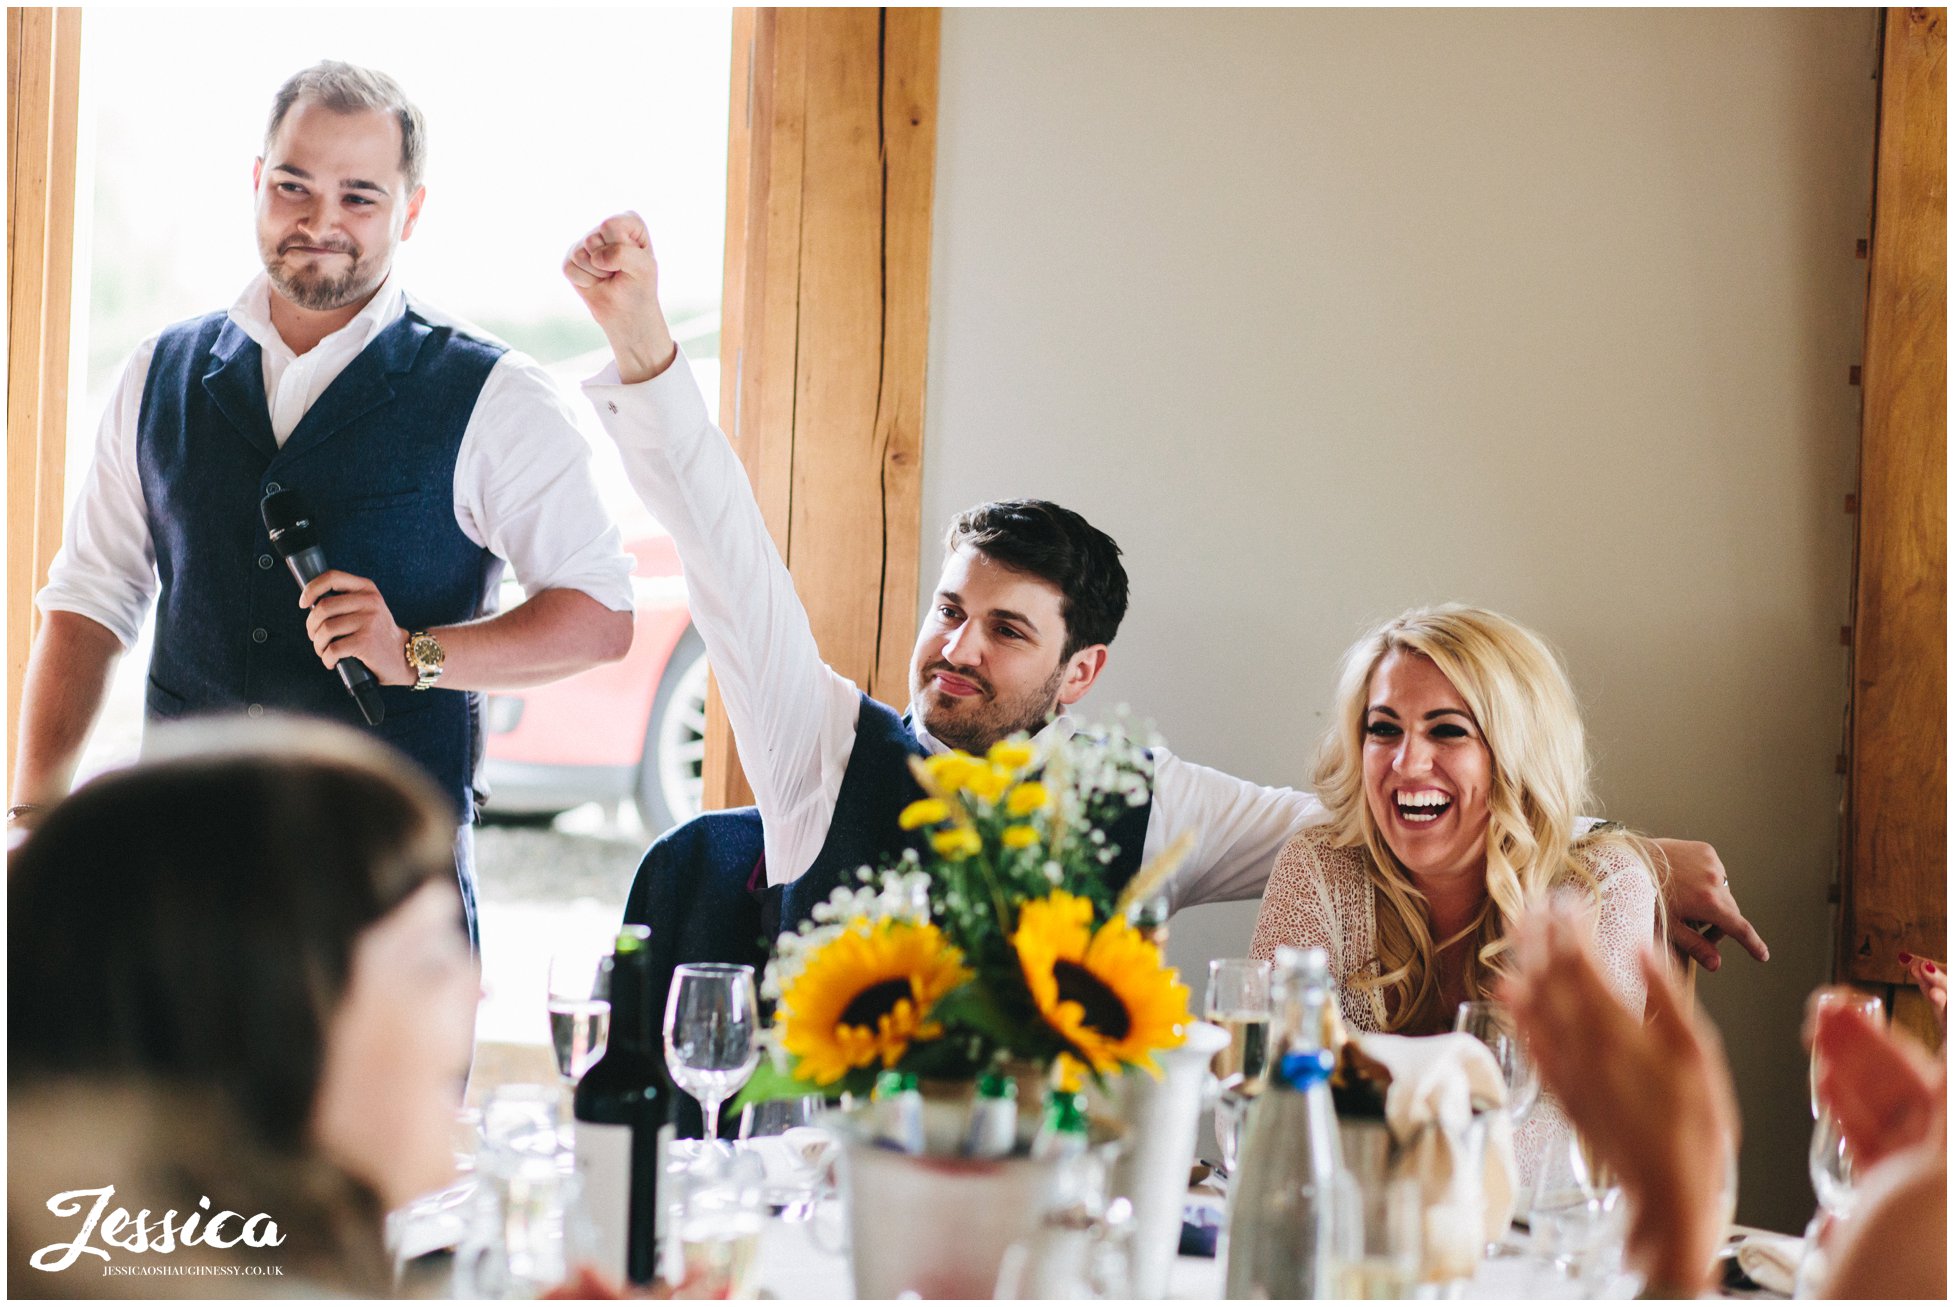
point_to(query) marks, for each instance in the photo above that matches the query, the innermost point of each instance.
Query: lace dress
(1320, 896)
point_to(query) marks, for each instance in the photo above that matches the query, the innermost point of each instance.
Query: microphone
(289, 522)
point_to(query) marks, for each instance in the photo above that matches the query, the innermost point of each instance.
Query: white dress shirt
(794, 716)
(523, 484)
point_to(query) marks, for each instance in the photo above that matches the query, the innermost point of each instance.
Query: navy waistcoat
(375, 461)
(875, 789)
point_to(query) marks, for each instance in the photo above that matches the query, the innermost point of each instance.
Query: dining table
(804, 1259)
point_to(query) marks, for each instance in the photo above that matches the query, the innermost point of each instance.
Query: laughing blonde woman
(1454, 773)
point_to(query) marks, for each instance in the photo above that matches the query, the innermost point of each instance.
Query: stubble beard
(997, 719)
(318, 292)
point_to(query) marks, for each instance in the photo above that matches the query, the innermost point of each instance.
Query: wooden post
(43, 81)
(1896, 876)
(825, 323)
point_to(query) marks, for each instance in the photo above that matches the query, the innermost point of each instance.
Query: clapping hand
(1654, 1100)
(1885, 1092)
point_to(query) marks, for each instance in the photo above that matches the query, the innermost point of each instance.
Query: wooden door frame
(1894, 841)
(825, 323)
(43, 85)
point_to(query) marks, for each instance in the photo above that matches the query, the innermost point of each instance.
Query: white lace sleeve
(1295, 909)
(1625, 922)
(1627, 918)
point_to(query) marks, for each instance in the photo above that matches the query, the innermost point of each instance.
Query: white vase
(937, 1225)
(1160, 1121)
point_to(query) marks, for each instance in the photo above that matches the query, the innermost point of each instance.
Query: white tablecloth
(794, 1265)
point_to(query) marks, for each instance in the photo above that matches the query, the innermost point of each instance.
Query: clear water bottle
(1282, 1204)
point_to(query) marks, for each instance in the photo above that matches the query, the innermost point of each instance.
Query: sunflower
(865, 995)
(1106, 993)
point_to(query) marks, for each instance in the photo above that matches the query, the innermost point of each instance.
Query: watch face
(427, 651)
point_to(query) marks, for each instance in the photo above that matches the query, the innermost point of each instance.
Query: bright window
(540, 123)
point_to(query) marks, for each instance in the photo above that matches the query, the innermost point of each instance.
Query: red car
(632, 729)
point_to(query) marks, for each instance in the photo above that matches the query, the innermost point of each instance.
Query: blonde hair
(1519, 694)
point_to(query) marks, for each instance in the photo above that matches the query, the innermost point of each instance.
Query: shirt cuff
(642, 414)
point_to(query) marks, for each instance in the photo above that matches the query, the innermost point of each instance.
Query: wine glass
(1832, 1169)
(711, 1024)
(1573, 1212)
(1492, 1025)
(580, 1014)
(1837, 996)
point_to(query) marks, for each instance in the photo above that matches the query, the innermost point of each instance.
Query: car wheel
(670, 781)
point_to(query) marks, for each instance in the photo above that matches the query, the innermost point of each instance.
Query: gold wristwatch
(425, 658)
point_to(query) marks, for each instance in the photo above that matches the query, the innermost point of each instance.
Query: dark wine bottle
(622, 1105)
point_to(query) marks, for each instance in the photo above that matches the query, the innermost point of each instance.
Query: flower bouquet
(999, 939)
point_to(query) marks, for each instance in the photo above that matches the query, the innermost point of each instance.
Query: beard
(312, 288)
(974, 723)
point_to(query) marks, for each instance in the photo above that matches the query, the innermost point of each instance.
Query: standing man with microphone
(426, 456)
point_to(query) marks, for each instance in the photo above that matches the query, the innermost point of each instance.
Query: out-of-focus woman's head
(1455, 750)
(265, 914)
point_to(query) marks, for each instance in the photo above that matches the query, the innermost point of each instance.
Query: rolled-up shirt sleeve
(105, 569)
(525, 489)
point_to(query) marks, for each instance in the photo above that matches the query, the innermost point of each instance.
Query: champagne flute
(1238, 1002)
(1492, 1025)
(1837, 996)
(580, 1016)
(711, 1024)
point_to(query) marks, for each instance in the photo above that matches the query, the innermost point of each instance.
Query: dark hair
(192, 920)
(348, 88)
(1056, 544)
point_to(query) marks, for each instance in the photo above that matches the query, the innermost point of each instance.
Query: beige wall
(1324, 314)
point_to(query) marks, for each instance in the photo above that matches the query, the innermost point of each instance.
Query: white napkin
(1771, 1261)
(1434, 1082)
(794, 1157)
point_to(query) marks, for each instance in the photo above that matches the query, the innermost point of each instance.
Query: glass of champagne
(580, 1015)
(1492, 1025)
(711, 1029)
(1833, 996)
(1238, 1002)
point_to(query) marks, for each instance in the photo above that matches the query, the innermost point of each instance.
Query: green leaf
(769, 1083)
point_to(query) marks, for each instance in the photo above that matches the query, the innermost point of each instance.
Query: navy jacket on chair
(698, 889)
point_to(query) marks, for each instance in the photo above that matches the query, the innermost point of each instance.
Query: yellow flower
(1106, 993)
(1012, 755)
(957, 843)
(1019, 837)
(986, 782)
(950, 770)
(866, 996)
(1026, 798)
(923, 812)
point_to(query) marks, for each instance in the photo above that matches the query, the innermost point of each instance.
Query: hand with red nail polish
(1931, 979)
